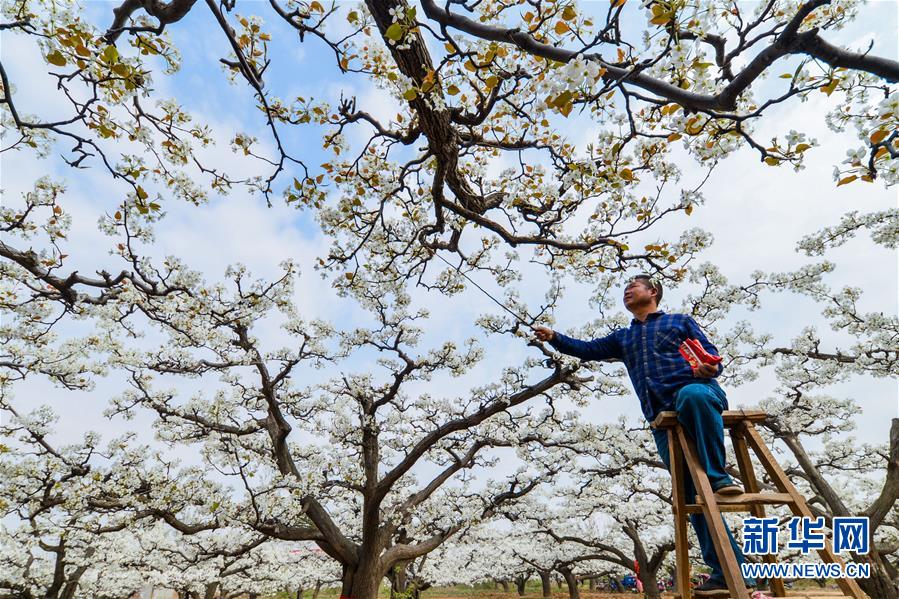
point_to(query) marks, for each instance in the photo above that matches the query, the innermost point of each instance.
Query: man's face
(638, 294)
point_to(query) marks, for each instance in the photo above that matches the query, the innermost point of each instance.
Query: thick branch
(890, 492)
(165, 12)
(466, 422)
(788, 42)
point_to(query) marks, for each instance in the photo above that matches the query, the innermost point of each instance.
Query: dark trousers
(699, 408)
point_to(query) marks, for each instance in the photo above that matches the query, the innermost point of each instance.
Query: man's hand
(706, 371)
(544, 333)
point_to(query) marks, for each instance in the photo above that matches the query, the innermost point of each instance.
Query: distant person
(664, 380)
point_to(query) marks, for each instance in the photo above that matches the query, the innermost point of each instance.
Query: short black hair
(651, 282)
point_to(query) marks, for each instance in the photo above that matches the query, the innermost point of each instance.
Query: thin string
(485, 292)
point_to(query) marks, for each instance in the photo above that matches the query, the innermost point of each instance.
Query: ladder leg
(747, 473)
(681, 549)
(799, 506)
(721, 542)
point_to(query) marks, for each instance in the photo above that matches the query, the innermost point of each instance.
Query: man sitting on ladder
(664, 380)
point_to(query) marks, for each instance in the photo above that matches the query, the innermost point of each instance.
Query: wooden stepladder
(744, 435)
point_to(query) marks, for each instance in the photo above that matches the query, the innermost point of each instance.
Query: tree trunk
(614, 584)
(520, 583)
(880, 585)
(299, 594)
(358, 585)
(363, 579)
(650, 584)
(591, 584)
(316, 589)
(505, 584)
(398, 581)
(571, 581)
(546, 583)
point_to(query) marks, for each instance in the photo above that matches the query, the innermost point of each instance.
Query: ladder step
(731, 418)
(742, 502)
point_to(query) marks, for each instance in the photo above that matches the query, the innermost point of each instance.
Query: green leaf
(56, 58)
(141, 193)
(410, 94)
(110, 54)
(394, 32)
(562, 99)
(828, 89)
(452, 90)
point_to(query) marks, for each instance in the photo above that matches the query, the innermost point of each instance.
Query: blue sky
(756, 213)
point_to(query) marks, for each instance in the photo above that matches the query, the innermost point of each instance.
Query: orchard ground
(806, 589)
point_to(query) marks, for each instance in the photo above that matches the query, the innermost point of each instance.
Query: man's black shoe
(711, 588)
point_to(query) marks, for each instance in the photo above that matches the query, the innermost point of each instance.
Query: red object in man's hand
(695, 354)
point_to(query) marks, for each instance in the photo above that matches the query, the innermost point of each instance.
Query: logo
(850, 535)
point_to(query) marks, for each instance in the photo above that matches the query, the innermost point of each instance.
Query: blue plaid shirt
(649, 350)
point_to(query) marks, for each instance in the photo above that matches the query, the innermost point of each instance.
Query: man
(664, 380)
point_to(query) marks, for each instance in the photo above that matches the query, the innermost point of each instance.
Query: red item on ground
(695, 354)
